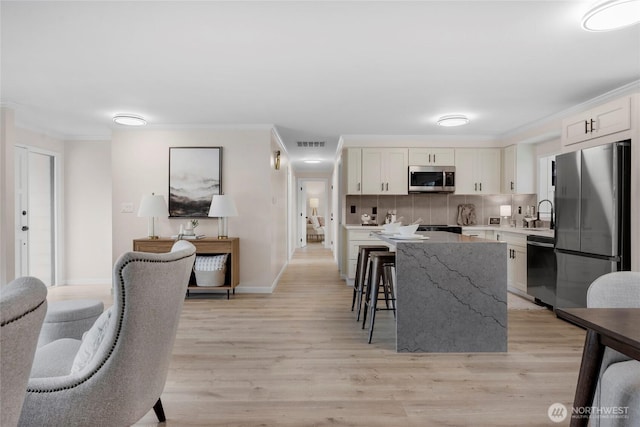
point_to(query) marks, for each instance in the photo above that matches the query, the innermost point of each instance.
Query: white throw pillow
(91, 341)
(210, 263)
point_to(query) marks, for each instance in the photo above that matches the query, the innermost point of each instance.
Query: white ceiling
(315, 69)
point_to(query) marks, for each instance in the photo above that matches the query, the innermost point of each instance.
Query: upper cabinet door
(443, 156)
(518, 169)
(431, 157)
(372, 180)
(609, 118)
(354, 170)
(466, 182)
(396, 171)
(509, 169)
(384, 170)
(478, 170)
(488, 168)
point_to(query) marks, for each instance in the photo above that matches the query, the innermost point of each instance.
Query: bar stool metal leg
(362, 279)
(390, 285)
(376, 275)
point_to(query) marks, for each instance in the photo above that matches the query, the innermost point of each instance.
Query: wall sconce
(276, 160)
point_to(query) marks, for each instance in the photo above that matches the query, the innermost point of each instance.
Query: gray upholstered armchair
(116, 374)
(619, 378)
(23, 305)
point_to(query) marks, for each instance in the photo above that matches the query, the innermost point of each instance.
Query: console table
(205, 246)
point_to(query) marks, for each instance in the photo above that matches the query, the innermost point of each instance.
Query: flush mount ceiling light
(129, 120)
(453, 120)
(611, 15)
(312, 161)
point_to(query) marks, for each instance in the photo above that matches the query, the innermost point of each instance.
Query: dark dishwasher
(541, 269)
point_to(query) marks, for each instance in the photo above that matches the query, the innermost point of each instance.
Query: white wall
(87, 212)
(7, 196)
(279, 209)
(140, 165)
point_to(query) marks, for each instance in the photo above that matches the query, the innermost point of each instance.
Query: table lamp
(314, 204)
(505, 212)
(222, 206)
(152, 206)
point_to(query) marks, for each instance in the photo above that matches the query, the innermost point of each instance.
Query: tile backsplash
(435, 208)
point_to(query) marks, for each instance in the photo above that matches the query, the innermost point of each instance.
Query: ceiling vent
(311, 144)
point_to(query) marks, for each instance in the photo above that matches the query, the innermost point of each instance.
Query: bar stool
(382, 265)
(362, 268)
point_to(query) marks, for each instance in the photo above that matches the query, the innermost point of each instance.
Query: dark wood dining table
(616, 328)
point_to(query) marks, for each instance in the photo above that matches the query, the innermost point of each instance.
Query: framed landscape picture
(195, 175)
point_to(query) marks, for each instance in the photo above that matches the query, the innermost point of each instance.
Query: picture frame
(494, 220)
(195, 175)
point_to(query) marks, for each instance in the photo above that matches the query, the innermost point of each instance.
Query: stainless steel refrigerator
(592, 235)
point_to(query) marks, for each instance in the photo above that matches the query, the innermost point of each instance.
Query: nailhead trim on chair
(120, 320)
(23, 314)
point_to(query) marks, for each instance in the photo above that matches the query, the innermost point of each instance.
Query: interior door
(35, 214)
(22, 211)
(302, 215)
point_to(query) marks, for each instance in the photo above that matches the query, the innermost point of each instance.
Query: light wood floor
(298, 358)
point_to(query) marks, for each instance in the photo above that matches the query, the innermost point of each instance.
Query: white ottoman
(69, 319)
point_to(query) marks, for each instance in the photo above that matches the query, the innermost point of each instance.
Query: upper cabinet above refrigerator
(609, 118)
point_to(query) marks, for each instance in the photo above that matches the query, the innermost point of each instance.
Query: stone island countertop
(451, 293)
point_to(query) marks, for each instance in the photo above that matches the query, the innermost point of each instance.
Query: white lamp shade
(153, 205)
(314, 203)
(222, 206)
(505, 210)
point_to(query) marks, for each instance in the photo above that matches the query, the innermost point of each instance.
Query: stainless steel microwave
(432, 179)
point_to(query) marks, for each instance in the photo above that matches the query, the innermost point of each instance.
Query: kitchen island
(451, 293)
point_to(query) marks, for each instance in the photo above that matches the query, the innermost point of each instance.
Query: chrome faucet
(551, 224)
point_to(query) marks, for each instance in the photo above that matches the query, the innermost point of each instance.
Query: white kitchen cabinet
(518, 169)
(385, 171)
(517, 267)
(354, 170)
(612, 117)
(477, 170)
(516, 259)
(431, 156)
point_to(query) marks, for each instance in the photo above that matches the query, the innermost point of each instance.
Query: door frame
(325, 212)
(57, 230)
